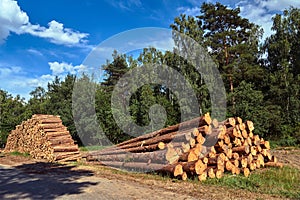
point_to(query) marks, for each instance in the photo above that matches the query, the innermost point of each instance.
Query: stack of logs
(197, 148)
(43, 137)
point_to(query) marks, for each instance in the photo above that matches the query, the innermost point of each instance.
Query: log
(229, 166)
(189, 167)
(173, 136)
(250, 126)
(57, 134)
(161, 145)
(145, 166)
(184, 176)
(245, 134)
(274, 164)
(197, 122)
(51, 126)
(238, 120)
(265, 144)
(200, 167)
(43, 136)
(246, 172)
(200, 139)
(62, 129)
(202, 177)
(65, 148)
(205, 151)
(242, 126)
(153, 157)
(253, 150)
(178, 170)
(67, 158)
(139, 149)
(241, 149)
(63, 140)
(256, 140)
(211, 173)
(50, 121)
(172, 155)
(230, 122)
(219, 174)
(193, 155)
(71, 158)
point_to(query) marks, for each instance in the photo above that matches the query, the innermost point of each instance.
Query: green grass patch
(284, 182)
(16, 153)
(284, 142)
(92, 148)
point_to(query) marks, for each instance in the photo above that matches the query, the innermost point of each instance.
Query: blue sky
(42, 39)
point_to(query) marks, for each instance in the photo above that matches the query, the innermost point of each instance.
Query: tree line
(262, 79)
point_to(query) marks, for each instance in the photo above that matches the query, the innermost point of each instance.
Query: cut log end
(246, 172)
(202, 177)
(274, 164)
(161, 145)
(178, 170)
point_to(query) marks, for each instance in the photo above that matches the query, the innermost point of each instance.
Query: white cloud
(258, 15)
(126, 4)
(277, 5)
(17, 81)
(56, 33)
(13, 19)
(261, 12)
(195, 11)
(35, 52)
(7, 71)
(64, 68)
(194, 2)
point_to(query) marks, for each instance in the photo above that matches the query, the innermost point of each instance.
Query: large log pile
(200, 147)
(43, 137)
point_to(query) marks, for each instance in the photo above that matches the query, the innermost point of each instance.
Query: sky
(43, 39)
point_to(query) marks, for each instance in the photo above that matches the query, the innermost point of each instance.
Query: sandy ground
(24, 178)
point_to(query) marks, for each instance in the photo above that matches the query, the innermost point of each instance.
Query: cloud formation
(195, 11)
(261, 12)
(126, 4)
(277, 5)
(17, 81)
(64, 68)
(14, 20)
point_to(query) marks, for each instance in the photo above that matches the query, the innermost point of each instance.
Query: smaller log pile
(200, 147)
(43, 137)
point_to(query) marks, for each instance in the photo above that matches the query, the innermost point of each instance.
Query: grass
(284, 182)
(92, 148)
(282, 143)
(16, 153)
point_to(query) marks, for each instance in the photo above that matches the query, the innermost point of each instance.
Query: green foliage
(16, 153)
(12, 112)
(92, 148)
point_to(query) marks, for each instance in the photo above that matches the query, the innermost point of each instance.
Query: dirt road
(19, 184)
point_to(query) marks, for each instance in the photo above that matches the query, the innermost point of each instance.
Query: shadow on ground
(42, 181)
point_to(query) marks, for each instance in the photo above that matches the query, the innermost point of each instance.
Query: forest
(261, 78)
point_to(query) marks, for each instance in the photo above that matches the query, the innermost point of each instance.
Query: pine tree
(233, 41)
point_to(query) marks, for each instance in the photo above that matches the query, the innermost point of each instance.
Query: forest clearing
(189, 166)
(141, 186)
(202, 104)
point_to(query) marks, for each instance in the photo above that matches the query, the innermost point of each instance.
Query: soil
(289, 156)
(23, 177)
